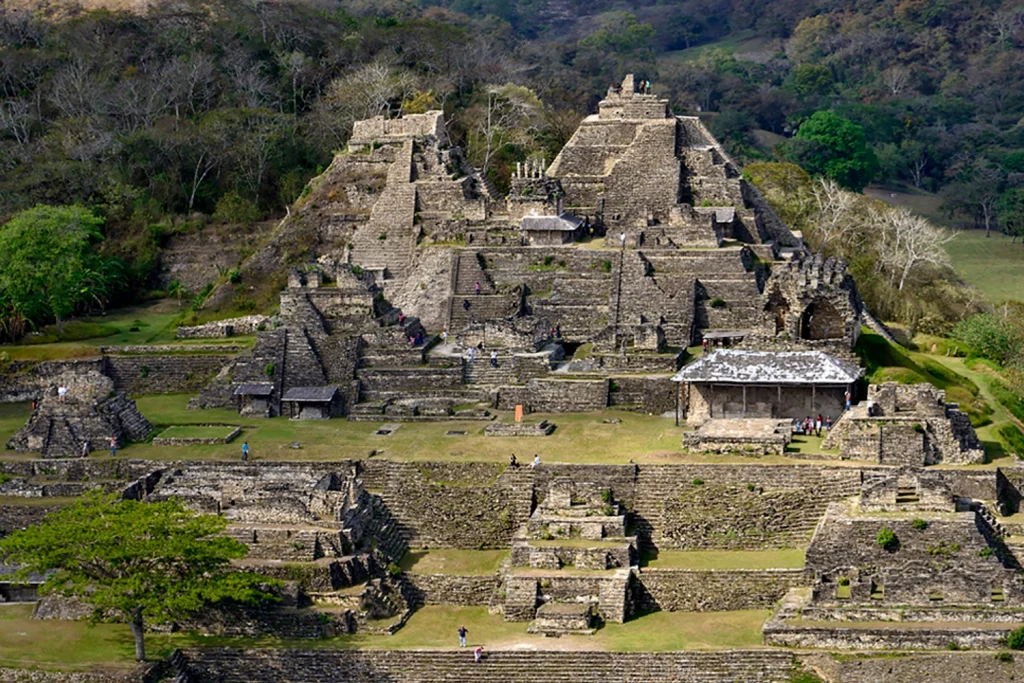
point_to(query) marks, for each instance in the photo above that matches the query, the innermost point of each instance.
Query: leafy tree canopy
(829, 145)
(48, 267)
(135, 562)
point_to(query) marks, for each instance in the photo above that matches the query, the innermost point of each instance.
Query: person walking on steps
(462, 636)
(477, 289)
(478, 653)
(245, 451)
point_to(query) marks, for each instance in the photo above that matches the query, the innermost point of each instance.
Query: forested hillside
(165, 118)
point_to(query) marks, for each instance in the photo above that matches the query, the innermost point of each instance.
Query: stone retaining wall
(23, 381)
(714, 590)
(446, 589)
(163, 374)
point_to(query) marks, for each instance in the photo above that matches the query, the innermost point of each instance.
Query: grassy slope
(724, 559)
(993, 265)
(149, 323)
(453, 561)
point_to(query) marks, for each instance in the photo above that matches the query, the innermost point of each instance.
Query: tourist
(462, 636)
(849, 399)
(512, 462)
(472, 353)
(113, 446)
(622, 239)
(62, 392)
(85, 448)
(558, 331)
(798, 427)
(478, 653)
(465, 304)
(494, 359)
(704, 347)
(817, 426)
(245, 451)
(444, 337)
(401, 318)
(536, 461)
(477, 289)
(828, 423)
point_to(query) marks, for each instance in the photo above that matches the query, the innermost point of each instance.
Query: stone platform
(755, 436)
(542, 428)
(555, 619)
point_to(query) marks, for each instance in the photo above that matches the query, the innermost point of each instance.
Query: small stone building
(732, 383)
(254, 399)
(907, 424)
(544, 231)
(312, 403)
(14, 588)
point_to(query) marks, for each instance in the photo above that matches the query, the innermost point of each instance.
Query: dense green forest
(192, 113)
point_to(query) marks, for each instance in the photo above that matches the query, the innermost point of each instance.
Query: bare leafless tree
(896, 79)
(17, 116)
(838, 216)
(907, 242)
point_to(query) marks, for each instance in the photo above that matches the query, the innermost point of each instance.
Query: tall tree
(829, 145)
(135, 562)
(47, 263)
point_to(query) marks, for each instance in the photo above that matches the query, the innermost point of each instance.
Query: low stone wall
(970, 636)
(951, 667)
(446, 589)
(144, 673)
(249, 324)
(199, 440)
(559, 396)
(163, 374)
(714, 590)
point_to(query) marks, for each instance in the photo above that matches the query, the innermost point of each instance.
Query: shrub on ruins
(919, 524)
(886, 539)
(1015, 639)
(134, 562)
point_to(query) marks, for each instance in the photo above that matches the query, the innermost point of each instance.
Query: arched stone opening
(821, 320)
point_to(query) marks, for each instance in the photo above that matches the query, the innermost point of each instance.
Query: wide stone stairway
(506, 666)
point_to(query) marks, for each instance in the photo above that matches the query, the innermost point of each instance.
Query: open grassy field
(724, 559)
(437, 626)
(994, 265)
(149, 323)
(453, 561)
(579, 437)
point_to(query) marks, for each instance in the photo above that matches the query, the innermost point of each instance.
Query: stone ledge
(542, 428)
(198, 440)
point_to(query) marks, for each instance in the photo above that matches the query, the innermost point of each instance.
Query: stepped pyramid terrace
(636, 309)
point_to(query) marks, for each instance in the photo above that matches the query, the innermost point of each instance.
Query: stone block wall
(947, 557)
(163, 374)
(554, 395)
(23, 381)
(710, 590)
(448, 589)
(458, 505)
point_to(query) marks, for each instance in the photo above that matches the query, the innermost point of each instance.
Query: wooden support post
(744, 400)
(814, 399)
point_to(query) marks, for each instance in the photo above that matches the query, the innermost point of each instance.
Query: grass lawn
(451, 561)
(436, 626)
(994, 265)
(148, 323)
(724, 559)
(57, 644)
(197, 432)
(580, 438)
(919, 201)
(12, 418)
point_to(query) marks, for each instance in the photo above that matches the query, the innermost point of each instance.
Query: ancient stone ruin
(638, 271)
(82, 420)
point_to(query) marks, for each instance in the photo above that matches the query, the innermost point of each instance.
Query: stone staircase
(290, 544)
(907, 495)
(468, 272)
(482, 307)
(302, 364)
(230, 665)
(392, 217)
(480, 372)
